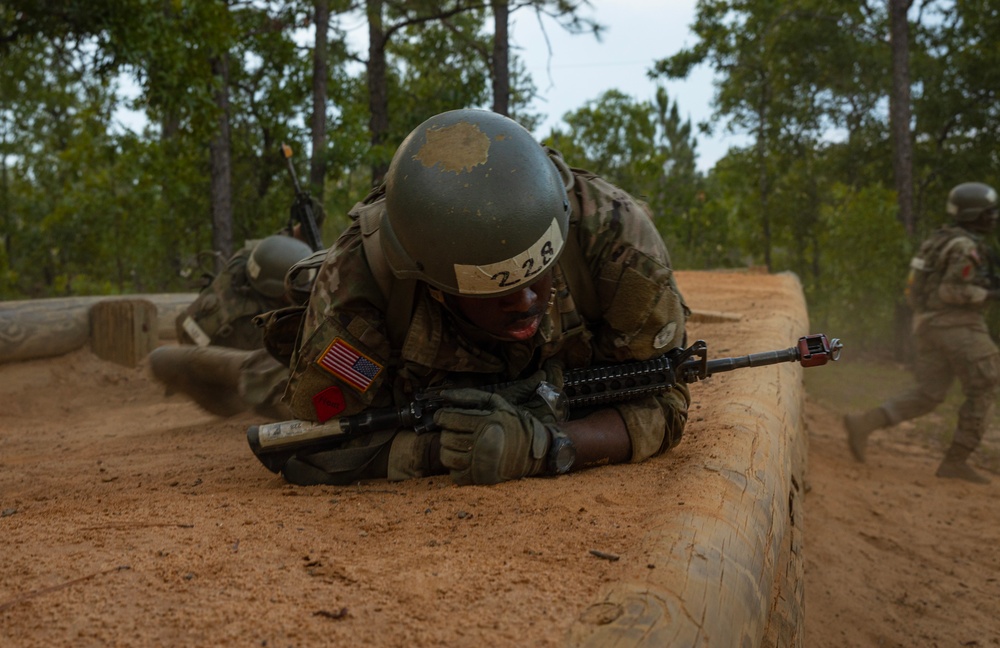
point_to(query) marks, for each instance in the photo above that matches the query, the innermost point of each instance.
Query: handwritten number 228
(503, 277)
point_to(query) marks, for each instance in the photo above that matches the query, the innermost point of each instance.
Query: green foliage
(437, 68)
(957, 64)
(865, 255)
(86, 205)
(722, 225)
(788, 73)
(645, 148)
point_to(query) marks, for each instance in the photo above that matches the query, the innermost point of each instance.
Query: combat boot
(860, 426)
(954, 466)
(210, 376)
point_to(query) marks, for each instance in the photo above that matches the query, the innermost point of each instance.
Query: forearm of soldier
(630, 431)
(600, 438)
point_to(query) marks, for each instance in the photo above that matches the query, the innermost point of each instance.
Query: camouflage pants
(944, 354)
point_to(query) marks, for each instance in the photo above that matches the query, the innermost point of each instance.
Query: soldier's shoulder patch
(350, 365)
(328, 403)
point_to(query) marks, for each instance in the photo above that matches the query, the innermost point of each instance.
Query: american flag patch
(350, 365)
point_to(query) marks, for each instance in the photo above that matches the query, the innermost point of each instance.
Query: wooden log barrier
(41, 328)
(123, 331)
(725, 569)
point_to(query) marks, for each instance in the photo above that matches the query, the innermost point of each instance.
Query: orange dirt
(132, 519)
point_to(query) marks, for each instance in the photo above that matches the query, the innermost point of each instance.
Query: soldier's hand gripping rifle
(275, 443)
(302, 209)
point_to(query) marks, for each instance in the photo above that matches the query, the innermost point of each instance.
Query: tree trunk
(378, 95)
(763, 178)
(317, 169)
(8, 231)
(501, 55)
(899, 112)
(902, 154)
(222, 199)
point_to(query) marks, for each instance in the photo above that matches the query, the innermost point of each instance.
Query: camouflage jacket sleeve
(963, 282)
(339, 366)
(643, 312)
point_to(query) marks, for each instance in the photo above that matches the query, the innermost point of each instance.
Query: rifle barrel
(286, 152)
(302, 210)
(762, 359)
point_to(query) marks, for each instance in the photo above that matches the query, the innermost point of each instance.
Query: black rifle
(275, 443)
(302, 208)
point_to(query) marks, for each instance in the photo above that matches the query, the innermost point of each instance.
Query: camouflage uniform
(221, 361)
(345, 362)
(222, 314)
(952, 338)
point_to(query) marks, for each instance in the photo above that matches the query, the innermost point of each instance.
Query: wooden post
(123, 331)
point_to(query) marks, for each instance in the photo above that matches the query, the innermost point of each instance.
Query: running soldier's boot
(860, 426)
(954, 466)
(210, 376)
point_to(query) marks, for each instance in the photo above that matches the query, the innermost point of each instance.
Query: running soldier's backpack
(926, 268)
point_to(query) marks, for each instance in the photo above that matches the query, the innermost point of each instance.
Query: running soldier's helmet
(970, 200)
(474, 205)
(270, 261)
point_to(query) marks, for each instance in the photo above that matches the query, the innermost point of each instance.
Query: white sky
(580, 69)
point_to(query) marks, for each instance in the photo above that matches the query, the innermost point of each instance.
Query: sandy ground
(128, 518)
(895, 556)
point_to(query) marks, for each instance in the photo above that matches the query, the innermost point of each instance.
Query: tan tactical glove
(486, 440)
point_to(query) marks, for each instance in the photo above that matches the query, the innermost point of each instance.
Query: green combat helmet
(969, 201)
(270, 261)
(474, 206)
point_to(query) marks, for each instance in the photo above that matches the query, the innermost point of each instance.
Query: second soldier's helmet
(474, 205)
(270, 261)
(970, 200)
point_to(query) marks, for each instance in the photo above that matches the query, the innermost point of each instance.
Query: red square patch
(328, 403)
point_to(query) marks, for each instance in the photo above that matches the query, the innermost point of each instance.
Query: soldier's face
(514, 317)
